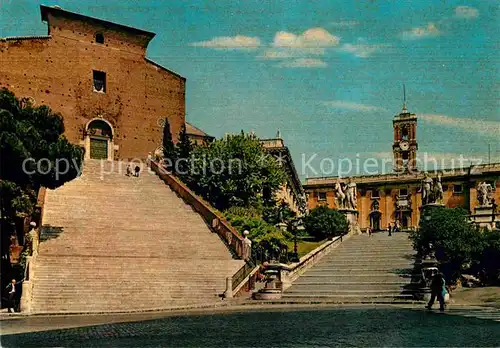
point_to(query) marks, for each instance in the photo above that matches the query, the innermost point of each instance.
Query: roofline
(389, 178)
(166, 69)
(44, 10)
(34, 37)
(204, 134)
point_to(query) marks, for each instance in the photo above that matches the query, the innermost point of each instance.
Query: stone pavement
(264, 326)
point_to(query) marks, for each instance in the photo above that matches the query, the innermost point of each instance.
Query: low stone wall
(216, 222)
(27, 291)
(290, 273)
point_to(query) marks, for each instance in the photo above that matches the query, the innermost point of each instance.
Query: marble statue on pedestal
(247, 246)
(339, 196)
(438, 190)
(484, 194)
(426, 189)
(350, 196)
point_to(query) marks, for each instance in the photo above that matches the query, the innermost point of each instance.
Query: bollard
(229, 288)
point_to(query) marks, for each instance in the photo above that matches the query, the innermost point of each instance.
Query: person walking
(438, 289)
(13, 296)
(129, 170)
(137, 171)
(390, 229)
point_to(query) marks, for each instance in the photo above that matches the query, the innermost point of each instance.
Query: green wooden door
(98, 148)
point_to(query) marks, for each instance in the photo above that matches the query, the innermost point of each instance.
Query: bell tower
(405, 144)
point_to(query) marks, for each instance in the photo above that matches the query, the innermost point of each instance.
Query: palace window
(99, 81)
(375, 194)
(403, 192)
(457, 188)
(99, 38)
(321, 196)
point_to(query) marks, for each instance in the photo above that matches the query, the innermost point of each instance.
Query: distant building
(197, 136)
(96, 74)
(292, 191)
(397, 197)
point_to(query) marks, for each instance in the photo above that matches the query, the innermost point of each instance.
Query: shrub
(455, 241)
(323, 222)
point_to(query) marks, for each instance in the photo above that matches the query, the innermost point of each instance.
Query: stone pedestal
(352, 219)
(485, 216)
(273, 289)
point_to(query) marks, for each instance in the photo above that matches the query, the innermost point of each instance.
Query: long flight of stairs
(363, 269)
(110, 242)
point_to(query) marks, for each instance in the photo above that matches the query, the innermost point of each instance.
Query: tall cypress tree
(168, 146)
(183, 150)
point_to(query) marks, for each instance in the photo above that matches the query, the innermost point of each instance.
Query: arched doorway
(375, 220)
(375, 215)
(99, 139)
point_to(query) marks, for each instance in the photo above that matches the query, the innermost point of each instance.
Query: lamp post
(294, 229)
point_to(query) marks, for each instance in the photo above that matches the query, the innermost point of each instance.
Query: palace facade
(96, 74)
(397, 197)
(291, 192)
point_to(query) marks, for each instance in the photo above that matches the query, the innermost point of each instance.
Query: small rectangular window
(375, 194)
(403, 192)
(99, 81)
(321, 196)
(457, 188)
(99, 38)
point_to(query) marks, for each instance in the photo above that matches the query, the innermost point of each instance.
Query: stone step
(118, 234)
(357, 296)
(349, 292)
(318, 286)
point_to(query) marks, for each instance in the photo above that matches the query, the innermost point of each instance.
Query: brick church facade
(96, 74)
(397, 197)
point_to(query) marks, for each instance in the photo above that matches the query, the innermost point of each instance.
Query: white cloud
(361, 50)
(342, 104)
(483, 127)
(284, 53)
(466, 12)
(311, 38)
(228, 42)
(421, 32)
(344, 24)
(303, 63)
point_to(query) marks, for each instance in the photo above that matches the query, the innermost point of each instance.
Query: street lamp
(294, 229)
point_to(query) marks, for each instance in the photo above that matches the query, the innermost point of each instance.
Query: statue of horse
(339, 196)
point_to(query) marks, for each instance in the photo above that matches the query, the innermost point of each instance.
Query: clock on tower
(405, 141)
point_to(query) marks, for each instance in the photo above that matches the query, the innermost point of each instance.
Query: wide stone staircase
(363, 269)
(110, 242)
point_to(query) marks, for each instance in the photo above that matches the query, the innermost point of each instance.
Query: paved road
(302, 327)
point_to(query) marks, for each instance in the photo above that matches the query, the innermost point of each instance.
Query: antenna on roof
(404, 98)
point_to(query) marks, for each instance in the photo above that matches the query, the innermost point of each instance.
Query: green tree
(278, 213)
(489, 258)
(323, 222)
(233, 172)
(168, 146)
(183, 150)
(455, 241)
(34, 153)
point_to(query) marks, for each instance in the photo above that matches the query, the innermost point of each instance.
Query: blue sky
(328, 73)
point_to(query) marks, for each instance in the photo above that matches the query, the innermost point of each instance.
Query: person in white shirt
(11, 295)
